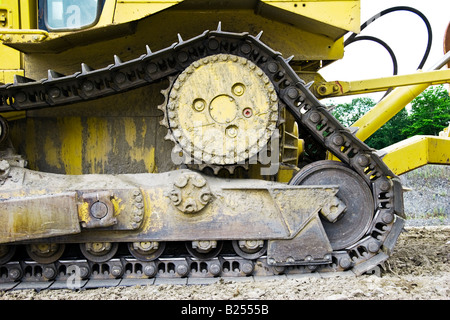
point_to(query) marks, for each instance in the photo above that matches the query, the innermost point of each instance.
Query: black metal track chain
(372, 250)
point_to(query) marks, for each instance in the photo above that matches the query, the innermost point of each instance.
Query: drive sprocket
(222, 110)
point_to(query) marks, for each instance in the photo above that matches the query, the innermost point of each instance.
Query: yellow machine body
(120, 135)
(194, 121)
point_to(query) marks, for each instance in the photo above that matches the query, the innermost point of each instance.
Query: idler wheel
(354, 192)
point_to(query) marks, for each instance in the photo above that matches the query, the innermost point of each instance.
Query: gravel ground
(428, 201)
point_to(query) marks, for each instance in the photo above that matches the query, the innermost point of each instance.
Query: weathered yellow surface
(417, 151)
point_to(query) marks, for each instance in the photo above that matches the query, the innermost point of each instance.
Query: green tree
(348, 113)
(389, 133)
(430, 112)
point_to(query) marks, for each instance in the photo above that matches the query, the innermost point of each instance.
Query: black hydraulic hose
(385, 45)
(354, 37)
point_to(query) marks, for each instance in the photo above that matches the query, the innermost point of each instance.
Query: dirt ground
(418, 269)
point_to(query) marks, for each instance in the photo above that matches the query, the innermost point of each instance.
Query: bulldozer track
(371, 249)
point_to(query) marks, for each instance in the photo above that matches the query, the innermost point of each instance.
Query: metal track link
(83, 274)
(364, 255)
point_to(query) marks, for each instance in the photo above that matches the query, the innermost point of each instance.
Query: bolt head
(182, 270)
(150, 270)
(345, 263)
(215, 269)
(14, 273)
(314, 117)
(116, 271)
(247, 268)
(49, 273)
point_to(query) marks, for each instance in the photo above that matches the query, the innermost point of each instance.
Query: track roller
(204, 249)
(146, 250)
(250, 249)
(99, 251)
(45, 252)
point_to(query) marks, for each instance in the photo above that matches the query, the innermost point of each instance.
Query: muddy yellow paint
(71, 144)
(117, 205)
(415, 152)
(83, 211)
(30, 147)
(52, 156)
(139, 151)
(98, 144)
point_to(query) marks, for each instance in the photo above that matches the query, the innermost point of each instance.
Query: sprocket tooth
(169, 137)
(161, 107)
(177, 149)
(180, 39)
(85, 68)
(288, 59)
(258, 36)
(117, 60)
(164, 122)
(52, 74)
(21, 79)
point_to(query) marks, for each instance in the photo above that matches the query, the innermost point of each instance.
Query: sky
(403, 31)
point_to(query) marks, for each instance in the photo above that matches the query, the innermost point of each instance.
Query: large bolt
(272, 67)
(338, 140)
(387, 217)
(314, 117)
(88, 85)
(215, 269)
(292, 93)
(84, 272)
(373, 246)
(99, 210)
(363, 160)
(20, 97)
(119, 78)
(150, 270)
(151, 68)
(385, 185)
(182, 270)
(49, 273)
(14, 273)
(116, 271)
(183, 56)
(247, 268)
(345, 262)
(232, 131)
(54, 93)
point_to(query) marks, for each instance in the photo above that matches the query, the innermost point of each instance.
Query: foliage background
(429, 114)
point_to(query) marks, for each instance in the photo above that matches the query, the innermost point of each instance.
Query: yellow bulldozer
(186, 139)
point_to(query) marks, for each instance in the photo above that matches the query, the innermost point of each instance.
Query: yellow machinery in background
(177, 139)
